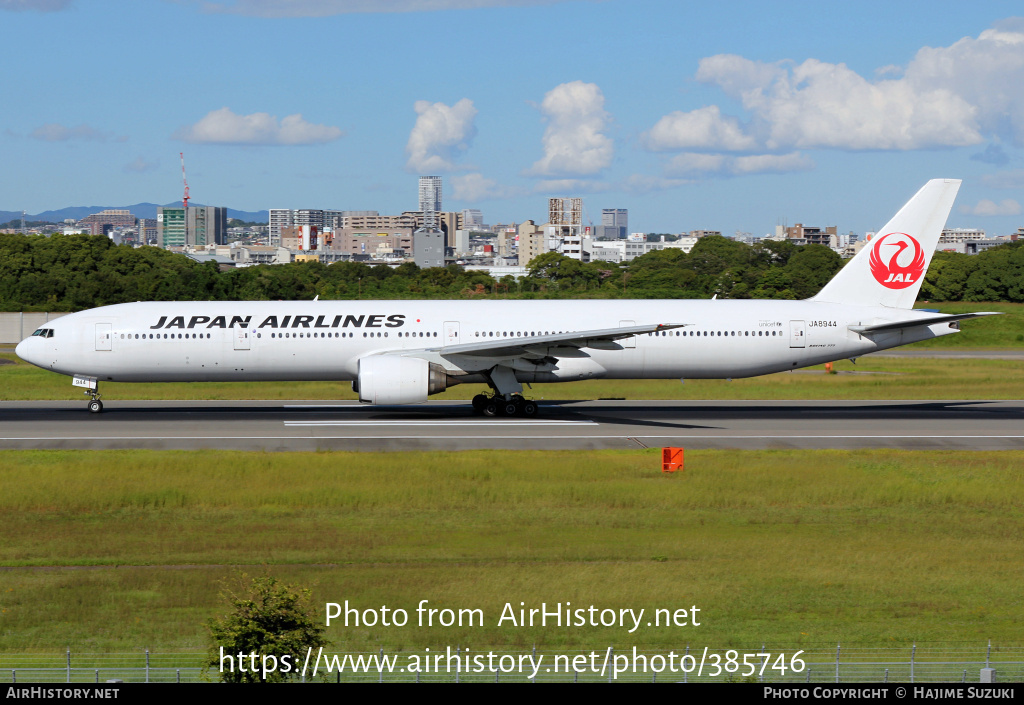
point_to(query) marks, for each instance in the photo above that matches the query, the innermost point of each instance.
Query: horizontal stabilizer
(916, 322)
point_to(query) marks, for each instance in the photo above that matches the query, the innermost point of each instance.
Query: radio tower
(184, 200)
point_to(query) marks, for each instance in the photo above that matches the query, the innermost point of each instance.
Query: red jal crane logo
(897, 260)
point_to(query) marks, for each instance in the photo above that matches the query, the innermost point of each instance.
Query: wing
(567, 344)
(916, 322)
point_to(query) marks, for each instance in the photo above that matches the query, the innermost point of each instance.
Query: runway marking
(441, 422)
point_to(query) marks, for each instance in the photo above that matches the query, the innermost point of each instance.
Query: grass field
(122, 550)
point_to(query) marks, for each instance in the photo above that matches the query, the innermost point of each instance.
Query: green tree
(268, 625)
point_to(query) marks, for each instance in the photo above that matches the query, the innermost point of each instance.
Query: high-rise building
(170, 227)
(280, 218)
(201, 226)
(430, 201)
(614, 223)
(207, 225)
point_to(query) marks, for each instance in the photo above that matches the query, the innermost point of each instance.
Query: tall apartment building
(280, 218)
(430, 201)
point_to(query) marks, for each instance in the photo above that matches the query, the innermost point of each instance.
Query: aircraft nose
(24, 350)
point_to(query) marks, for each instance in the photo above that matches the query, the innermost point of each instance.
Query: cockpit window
(44, 333)
(39, 331)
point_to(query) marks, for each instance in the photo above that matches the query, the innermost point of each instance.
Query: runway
(307, 426)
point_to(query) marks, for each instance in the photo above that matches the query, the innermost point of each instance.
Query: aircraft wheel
(529, 409)
(479, 402)
(95, 406)
(510, 408)
(490, 408)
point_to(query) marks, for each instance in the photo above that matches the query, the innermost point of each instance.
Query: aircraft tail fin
(890, 269)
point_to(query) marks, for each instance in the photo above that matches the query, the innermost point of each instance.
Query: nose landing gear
(95, 406)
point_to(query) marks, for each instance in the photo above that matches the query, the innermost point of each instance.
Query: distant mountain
(139, 210)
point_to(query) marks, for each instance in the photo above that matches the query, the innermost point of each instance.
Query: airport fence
(801, 663)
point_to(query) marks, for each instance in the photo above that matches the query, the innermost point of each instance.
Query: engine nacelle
(390, 379)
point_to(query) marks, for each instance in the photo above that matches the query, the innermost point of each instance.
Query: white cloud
(36, 5)
(987, 207)
(704, 128)
(986, 72)
(55, 132)
(953, 96)
(770, 163)
(695, 164)
(439, 134)
(326, 8)
(574, 143)
(225, 127)
(821, 105)
(473, 188)
(140, 165)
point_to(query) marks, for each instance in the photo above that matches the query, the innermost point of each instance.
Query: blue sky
(732, 116)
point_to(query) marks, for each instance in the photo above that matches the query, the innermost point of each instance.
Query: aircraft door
(796, 334)
(629, 342)
(451, 333)
(241, 338)
(104, 337)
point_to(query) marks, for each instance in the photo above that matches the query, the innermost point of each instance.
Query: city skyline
(688, 116)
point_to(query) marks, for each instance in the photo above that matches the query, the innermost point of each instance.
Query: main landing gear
(498, 405)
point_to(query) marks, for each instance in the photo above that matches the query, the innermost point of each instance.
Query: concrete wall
(15, 327)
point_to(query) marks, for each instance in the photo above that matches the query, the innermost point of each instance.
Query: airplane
(400, 352)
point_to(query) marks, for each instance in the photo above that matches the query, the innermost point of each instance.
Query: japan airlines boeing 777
(400, 352)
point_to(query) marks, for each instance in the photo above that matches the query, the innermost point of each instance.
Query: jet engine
(390, 379)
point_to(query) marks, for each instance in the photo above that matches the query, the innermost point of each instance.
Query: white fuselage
(324, 340)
